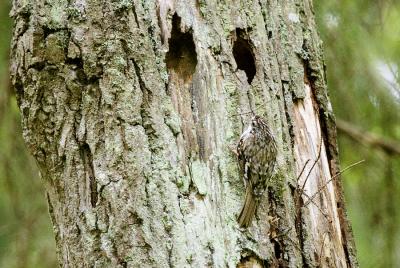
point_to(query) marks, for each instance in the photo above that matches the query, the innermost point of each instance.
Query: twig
(304, 167)
(312, 167)
(315, 204)
(300, 192)
(331, 179)
(388, 145)
(320, 252)
(244, 113)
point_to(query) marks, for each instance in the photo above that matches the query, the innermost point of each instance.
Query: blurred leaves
(26, 238)
(362, 52)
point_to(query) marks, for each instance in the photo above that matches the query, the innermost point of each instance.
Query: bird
(257, 154)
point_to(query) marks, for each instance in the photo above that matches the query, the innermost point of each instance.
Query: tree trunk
(132, 108)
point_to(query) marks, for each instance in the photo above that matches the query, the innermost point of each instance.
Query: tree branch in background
(388, 145)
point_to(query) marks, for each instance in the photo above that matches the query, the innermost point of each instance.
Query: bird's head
(256, 121)
(259, 125)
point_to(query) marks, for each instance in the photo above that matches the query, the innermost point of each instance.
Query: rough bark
(131, 109)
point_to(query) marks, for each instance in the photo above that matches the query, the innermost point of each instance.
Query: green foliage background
(362, 49)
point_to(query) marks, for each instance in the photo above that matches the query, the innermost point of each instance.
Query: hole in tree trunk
(181, 57)
(243, 54)
(181, 62)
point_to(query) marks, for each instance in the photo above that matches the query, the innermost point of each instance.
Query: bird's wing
(241, 157)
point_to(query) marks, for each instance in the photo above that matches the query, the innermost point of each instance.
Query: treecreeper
(256, 152)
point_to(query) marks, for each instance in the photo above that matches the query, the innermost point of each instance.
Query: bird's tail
(249, 208)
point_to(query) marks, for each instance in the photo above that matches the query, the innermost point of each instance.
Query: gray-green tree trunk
(131, 109)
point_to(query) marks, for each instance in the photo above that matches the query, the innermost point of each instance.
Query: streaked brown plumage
(257, 157)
